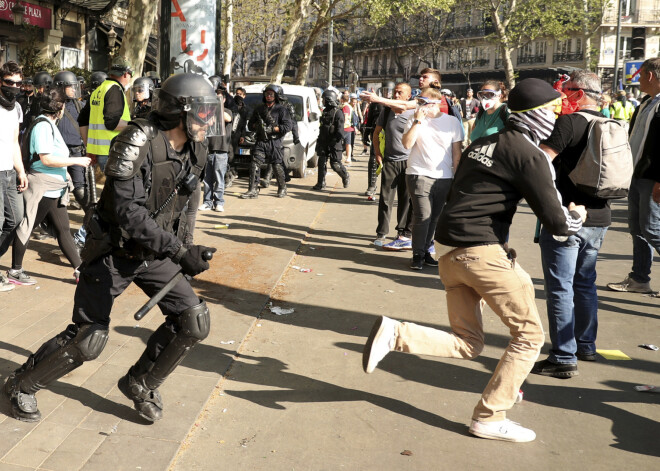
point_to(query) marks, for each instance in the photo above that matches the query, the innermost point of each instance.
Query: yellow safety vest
(620, 112)
(98, 136)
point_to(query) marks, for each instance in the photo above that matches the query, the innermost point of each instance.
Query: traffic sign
(631, 72)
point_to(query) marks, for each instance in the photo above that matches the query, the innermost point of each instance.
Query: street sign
(192, 37)
(631, 72)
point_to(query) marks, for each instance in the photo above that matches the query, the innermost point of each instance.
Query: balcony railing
(453, 65)
(470, 32)
(538, 59)
(567, 57)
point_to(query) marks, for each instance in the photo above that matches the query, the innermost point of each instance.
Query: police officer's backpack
(605, 168)
(30, 158)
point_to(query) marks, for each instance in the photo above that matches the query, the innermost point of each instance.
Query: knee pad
(195, 322)
(87, 344)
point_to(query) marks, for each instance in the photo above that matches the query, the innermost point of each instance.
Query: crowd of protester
(425, 150)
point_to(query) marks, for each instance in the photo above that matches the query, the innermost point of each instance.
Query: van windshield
(252, 100)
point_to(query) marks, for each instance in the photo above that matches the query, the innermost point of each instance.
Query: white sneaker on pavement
(5, 285)
(218, 208)
(502, 430)
(381, 341)
(204, 207)
(631, 286)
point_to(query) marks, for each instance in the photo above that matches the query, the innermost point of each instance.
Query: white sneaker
(381, 341)
(204, 207)
(5, 285)
(631, 286)
(502, 430)
(219, 208)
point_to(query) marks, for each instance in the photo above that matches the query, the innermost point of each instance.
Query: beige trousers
(471, 277)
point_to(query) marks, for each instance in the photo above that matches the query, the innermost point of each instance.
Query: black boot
(280, 175)
(23, 405)
(253, 189)
(265, 181)
(80, 196)
(320, 185)
(147, 402)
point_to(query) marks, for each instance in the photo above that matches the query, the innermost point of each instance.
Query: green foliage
(382, 10)
(29, 53)
(87, 74)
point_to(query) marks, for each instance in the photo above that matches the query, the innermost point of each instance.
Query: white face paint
(490, 103)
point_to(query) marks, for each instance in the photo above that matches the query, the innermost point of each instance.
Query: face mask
(489, 103)
(11, 93)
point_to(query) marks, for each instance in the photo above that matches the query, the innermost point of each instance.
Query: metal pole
(616, 49)
(330, 34)
(165, 68)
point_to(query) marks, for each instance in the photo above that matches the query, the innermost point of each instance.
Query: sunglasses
(488, 94)
(422, 100)
(12, 83)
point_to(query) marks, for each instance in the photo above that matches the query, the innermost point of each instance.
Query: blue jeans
(644, 226)
(102, 160)
(214, 179)
(569, 269)
(11, 208)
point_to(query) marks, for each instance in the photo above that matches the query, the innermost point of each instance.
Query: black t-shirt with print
(568, 139)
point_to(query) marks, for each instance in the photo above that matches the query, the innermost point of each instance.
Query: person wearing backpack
(46, 158)
(644, 195)
(13, 179)
(569, 264)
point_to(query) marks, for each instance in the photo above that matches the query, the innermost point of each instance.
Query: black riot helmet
(191, 98)
(42, 79)
(216, 81)
(273, 87)
(67, 83)
(330, 99)
(81, 79)
(97, 79)
(142, 89)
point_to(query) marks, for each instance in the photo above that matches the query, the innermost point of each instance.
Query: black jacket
(330, 130)
(277, 115)
(649, 162)
(493, 175)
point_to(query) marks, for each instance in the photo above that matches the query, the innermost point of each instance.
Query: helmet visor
(140, 92)
(205, 118)
(71, 90)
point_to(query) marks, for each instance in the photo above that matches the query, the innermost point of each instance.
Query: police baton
(91, 180)
(537, 232)
(206, 255)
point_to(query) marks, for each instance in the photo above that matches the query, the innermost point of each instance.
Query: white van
(296, 157)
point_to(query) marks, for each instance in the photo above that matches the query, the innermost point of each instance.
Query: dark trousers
(59, 220)
(393, 182)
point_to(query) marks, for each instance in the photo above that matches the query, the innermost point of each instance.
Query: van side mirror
(313, 116)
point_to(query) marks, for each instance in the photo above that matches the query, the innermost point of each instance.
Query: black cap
(531, 93)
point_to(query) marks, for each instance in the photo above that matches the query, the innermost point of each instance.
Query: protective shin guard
(193, 326)
(265, 181)
(54, 359)
(342, 172)
(372, 178)
(253, 188)
(280, 174)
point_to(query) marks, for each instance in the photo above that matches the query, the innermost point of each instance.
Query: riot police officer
(329, 144)
(42, 81)
(265, 182)
(25, 99)
(69, 85)
(135, 235)
(270, 121)
(142, 92)
(96, 79)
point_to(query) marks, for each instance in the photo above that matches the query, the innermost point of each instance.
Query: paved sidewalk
(288, 392)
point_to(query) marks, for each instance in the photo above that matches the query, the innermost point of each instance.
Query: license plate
(243, 151)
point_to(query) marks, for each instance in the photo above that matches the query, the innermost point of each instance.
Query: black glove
(192, 263)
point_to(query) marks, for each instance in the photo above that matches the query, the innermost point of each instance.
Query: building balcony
(567, 57)
(470, 32)
(527, 60)
(476, 63)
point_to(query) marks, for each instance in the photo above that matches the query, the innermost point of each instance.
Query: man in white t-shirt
(434, 139)
(12, 174)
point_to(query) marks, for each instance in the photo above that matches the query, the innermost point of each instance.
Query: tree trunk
(308, 52)
(137, 32)
(298, 14)
(228, 38)
(500, 28)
